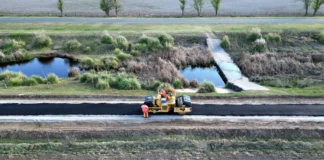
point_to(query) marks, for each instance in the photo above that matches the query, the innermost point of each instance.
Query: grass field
(71, 87)
(91, 28)
(155, 8)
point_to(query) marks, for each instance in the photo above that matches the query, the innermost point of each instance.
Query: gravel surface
(157, 7)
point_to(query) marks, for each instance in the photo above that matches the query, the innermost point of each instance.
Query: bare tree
(107, 5)
(183, 6)
(60, 6)
(216, 5)
(198, 5)
(317, 5)
(118, 6)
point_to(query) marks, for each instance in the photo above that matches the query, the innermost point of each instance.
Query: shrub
(167, 41)
(125, 82)
(85, 77)
(72, 45)
(273, 37)
(254, 34)
(177, 84)
(87, 49)
(151, 85)
(148, 44)
(12, 46)
(321, 38)
(107, 38)
(102, 85)
(194, 84)
(225, 42)
(207, 87)
(110, 62)
(74, 72)
(122, 43)
(260, 45)
(38, 79)
(121, 55)
(87, 62)
(30, 82)
(2, 55)
(16, 81)
(42, 40)
(52, 79)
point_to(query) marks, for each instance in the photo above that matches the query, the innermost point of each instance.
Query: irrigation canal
(134, 109)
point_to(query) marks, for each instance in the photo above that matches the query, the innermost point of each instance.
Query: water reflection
(42, 67)
(203, 74)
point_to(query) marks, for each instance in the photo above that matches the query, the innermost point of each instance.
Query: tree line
(108, 5)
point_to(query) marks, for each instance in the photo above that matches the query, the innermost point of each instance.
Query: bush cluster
(19, 79)
(122, 43)
(72, 45)
(110, 62)
(177, 84)
(12, 45)
(166, 40)
(52, 79)
(151, 85)
(103, 80)
(225, 42)
(273, 37)
(42, 40)
(106, 38)
(151, 44)
(207, 87)
(194, 84)
(74, 72)
(121, 55)
(321, 38)
(254, 34)
(260, 45)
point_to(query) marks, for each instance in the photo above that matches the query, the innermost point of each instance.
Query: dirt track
(169, 140)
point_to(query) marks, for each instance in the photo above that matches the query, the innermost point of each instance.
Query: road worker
(163, 93)
(145, 110)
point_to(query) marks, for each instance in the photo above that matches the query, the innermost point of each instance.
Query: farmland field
(156, 8)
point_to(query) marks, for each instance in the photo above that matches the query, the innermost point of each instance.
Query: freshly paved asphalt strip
(161, 20)
(134, 109)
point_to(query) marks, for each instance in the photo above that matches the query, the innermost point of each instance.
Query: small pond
(203, 74)
(41, 67)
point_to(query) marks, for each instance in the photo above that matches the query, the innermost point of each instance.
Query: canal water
(203, 74)
(41, 67)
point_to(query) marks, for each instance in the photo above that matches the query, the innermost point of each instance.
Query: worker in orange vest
(163, 93)
(145, 110)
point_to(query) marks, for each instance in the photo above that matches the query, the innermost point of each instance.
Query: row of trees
(108, 5)
(199, 4)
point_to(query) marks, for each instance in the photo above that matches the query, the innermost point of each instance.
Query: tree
(216, 5)
(183, 6)
(307, 4)
(107, 5)
(198, 5)
(317, 5)
(60, 6)
(118, 7)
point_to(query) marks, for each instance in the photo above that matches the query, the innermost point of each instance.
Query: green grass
(71, 87)
(67, 87)
(70, 28)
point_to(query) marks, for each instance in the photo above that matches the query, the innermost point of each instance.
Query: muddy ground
(180, 139)
(157, 8)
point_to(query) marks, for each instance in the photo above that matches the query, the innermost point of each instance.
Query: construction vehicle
(165, 103)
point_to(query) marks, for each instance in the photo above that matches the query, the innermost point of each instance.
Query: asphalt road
(160, 20)
(134, 109)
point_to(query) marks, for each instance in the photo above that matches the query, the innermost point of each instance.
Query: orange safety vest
(144, 108)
